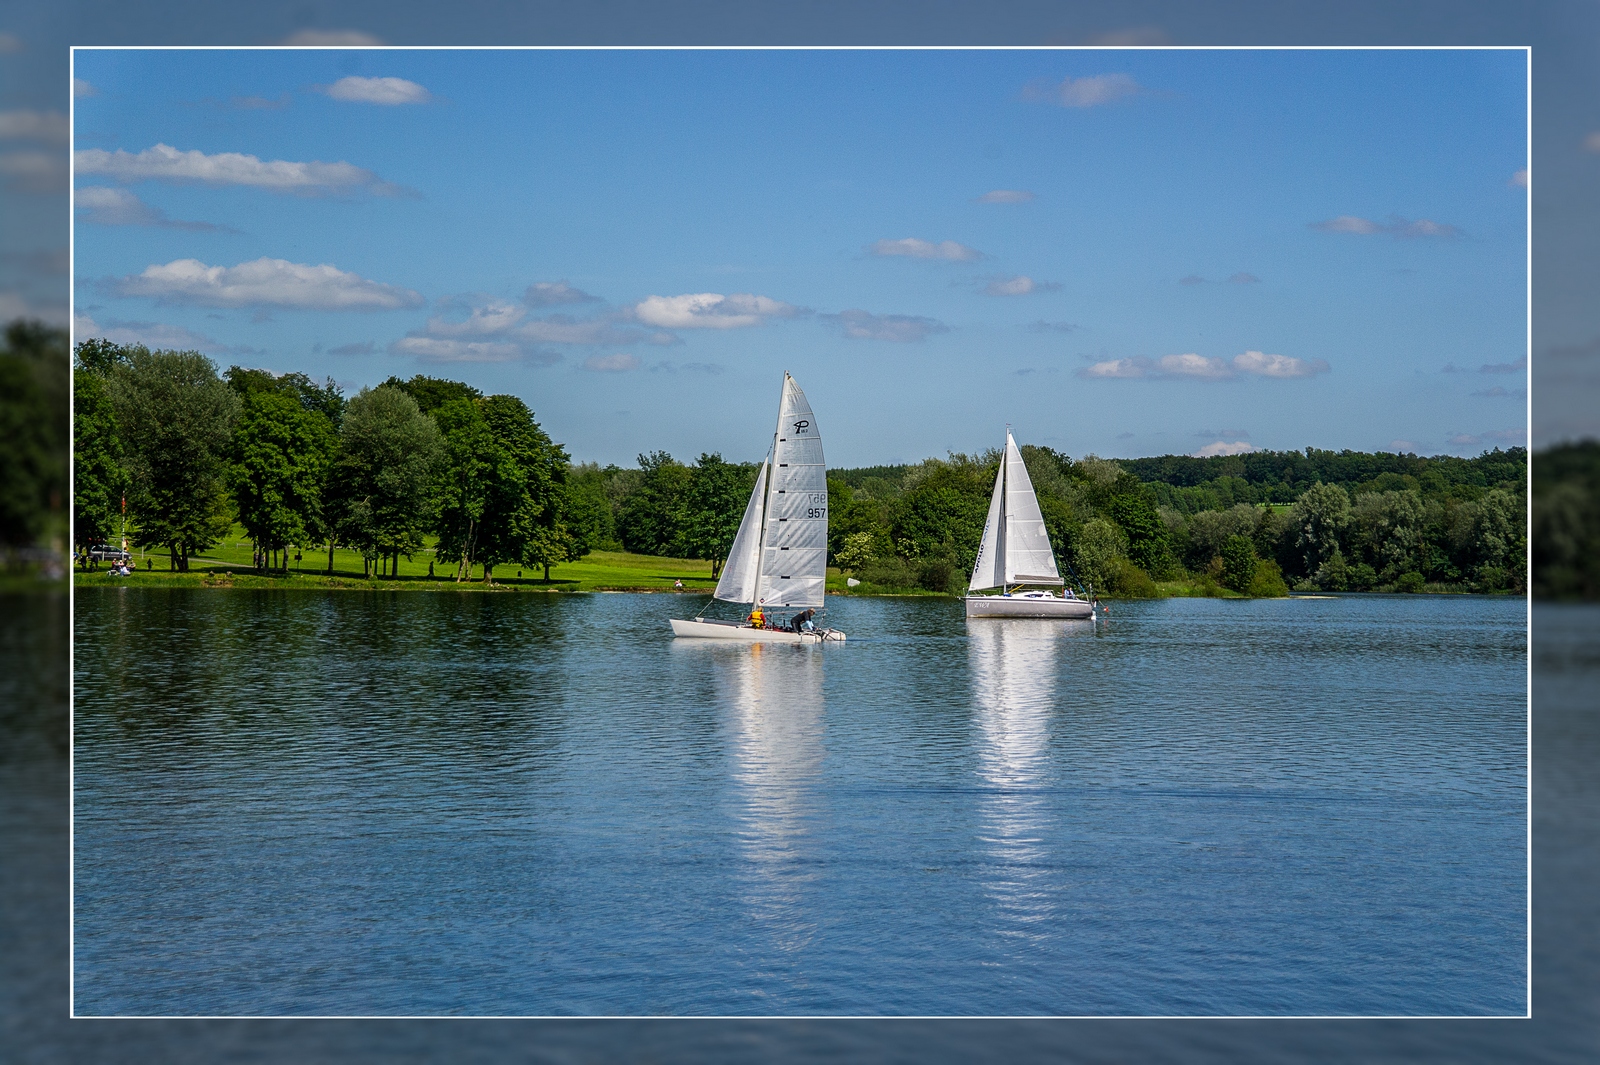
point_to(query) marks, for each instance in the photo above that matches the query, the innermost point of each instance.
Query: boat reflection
(1013, 663)
(773, 693)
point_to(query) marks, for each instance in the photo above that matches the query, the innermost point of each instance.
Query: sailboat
(1015, 556)
(779, 557)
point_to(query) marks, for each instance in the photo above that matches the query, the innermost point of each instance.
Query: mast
(766, 497)
(1005, 490)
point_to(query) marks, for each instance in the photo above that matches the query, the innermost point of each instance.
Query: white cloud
(912, 248)
(386, 91)
(565, 329)
(490, 318)
(1519, 179)
(264, 282)
(33, 171)
(433, 349)
(1006, 196)
(1192, 365)
(618, 363)
(1224, 447)
(331, 39)
(25, 124)
(165, 163)
(154, 335)
(1091, 91)
(1020, 285)
(1396, 226)
(554, 294)
(1262, 365)
(81, 88)
(899, 328)
(711, 310)
(119, 207)
(1202, 367)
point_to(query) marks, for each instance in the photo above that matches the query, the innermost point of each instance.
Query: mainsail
(738, 582)
(1016, 546)
(794, 557)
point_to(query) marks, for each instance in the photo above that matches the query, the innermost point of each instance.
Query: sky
(1124, 253)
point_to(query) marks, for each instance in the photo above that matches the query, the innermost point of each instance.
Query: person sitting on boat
(758, 620)
(801, 622)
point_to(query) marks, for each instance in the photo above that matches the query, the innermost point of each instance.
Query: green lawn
(229, 564)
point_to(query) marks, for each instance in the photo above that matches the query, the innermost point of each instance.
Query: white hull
(1026, 606)
(729, 630)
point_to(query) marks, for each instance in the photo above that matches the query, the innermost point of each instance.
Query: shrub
(1267, 582)
(1409, 582)
(938, 575)
(1127, 581)
(888, 573)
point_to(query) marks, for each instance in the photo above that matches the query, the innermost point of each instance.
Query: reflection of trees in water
(33, 676)
(776, 713)
(1013, 666)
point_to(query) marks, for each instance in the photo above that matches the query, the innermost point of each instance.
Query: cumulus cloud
(1519, 366)
(554, 294)
(1242, 278)
(565, 329)
(386, 91)
(1201, 367)
(711, 310)
(81, 88)
(1020, 285)
(15, 305)
(900, 328)
(1006, 196)
(165, 163)
(264, 283)
(434, 349)
(155, 335)
(621, 362)
(119, 207)
(1092, 91)
(1224, 447)
(1042, 326)
(33, 171)
(488, 318)
(27, 124)
(331, 39)
(1396, 226)
(1519, 179)
(912, 248)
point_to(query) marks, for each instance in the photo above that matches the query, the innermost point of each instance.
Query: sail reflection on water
(774, 700)
(1013, 665)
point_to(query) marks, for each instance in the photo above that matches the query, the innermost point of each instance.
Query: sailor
(758, 620)
(801, 622)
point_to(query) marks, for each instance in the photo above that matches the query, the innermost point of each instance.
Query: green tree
(100, 480)
(714, 503)
(1387, 528)
(1238, 562)
(326, 398)
(589, 510)
(1320, 515)
(1100, 550)
(176, 419)
(382, 474)
(280, 457)
(431, 393)
(525, 519)
(33, 423)
(651, 518)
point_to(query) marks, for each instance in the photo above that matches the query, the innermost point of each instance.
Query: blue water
(352, 803)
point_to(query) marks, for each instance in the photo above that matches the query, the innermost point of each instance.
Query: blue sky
(1124, 252)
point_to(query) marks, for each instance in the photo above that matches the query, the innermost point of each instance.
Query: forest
(183, 451)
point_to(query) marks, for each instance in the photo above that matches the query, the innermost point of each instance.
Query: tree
(651, 518)
(589, 513)
(33, 424)
(176, 419)
(100, 479)
(432, 393)
(1387, 528)
(1321, 514)
(1098, 553)
(281, 452)
(714, 504)
(326, 398)
(1238, 562)
(382, 474)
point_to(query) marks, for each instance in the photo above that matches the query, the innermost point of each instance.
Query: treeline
(188, 452)
(34, 429)
(1566, 522)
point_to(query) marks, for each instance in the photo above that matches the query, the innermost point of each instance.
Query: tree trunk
(330, 556)
(547, 573)
(488, 568)
(172, 558)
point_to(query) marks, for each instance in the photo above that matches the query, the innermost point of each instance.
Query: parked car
(109, 553)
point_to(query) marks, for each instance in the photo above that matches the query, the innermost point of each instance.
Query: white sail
(990, 571)
(1028, 557)
(738, 582)
(795, 557)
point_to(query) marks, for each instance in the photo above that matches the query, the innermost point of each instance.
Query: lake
(400, 803)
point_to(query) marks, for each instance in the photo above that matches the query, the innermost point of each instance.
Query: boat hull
(729, 630)
(1016, 606)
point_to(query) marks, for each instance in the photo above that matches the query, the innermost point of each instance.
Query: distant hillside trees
(1566, 522)
(33, 424)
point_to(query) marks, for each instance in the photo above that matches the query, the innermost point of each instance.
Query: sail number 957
(817, 505)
